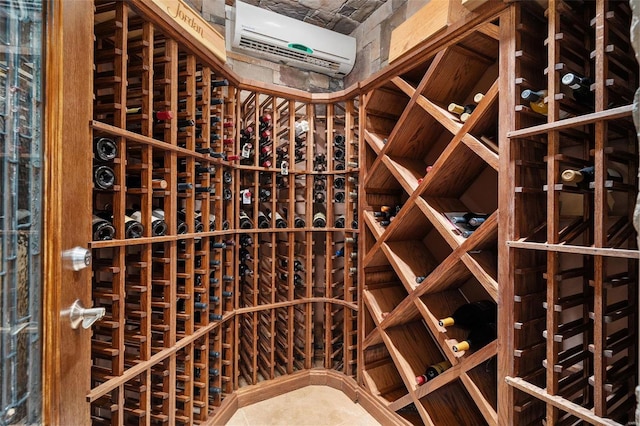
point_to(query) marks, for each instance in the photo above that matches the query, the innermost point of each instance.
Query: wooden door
(67, 200)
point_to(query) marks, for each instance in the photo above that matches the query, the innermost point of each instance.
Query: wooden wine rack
(407, 129)
(570, 266)
(183, 328)
(188, 331)
(565, 278)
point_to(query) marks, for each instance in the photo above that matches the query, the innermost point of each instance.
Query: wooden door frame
(67, 111)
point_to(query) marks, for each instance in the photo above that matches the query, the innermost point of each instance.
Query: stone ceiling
(342, 16)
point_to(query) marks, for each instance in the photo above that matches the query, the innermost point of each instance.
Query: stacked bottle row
(575, 311)
(162, 180)
(294, 152)
(430, 235)
(276, 184)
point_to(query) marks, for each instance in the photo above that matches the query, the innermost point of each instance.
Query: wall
(372, 37)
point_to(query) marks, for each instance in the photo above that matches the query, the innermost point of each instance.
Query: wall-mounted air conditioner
(265, 34)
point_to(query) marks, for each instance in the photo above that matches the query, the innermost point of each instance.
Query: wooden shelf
(566, 241)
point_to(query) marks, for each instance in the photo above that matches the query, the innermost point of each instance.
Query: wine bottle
(263, 221)
(136, 182)
(340, 222)
(471, 314)
(536, 100)
(339, 197)
(297, 280)
(319, 197)
(157, 115)
(102, 229)
(538, 104)
(470, 219)
(338, 140)
(244, 270)
(197, 217)
(338, 154)
(183, 123)
(319, 182)
(159, 214)
(264, 195)
(299, 222)
(432, 372)
(246, 240)
(245, 221)
(463, 111)
(265, 121)
(581, 87)
(319, 220)
(245, 255)
(183, 186)
(182, 227)
(227, 194)
(480, 336)
(105, 149)
(103, 177)
(583, 177)
(158, 225)
(219, 83)
(227, 177)
(338, 183)
(132, 228)
(280, 222)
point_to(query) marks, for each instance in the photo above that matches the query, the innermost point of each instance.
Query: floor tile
(308, 406)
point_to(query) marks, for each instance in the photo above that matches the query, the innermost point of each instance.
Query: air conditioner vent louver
(260, 46)
(264, 34)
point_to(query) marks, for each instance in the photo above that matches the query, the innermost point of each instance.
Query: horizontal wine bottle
(157, 115)
(432, 372)
(340, 222)
(220, 83)
(280, 222)
(134, 181)
(263, 221)
(158, 225)
(102, 229)
(132, 228)
(581, 87)
(103, 177)
(299, 222)
(319, 220)
(245, 221)
(479, 336)
(583, 177)
(246, 240)
(105, 149)
(471, 314)
(537, 102)
(463, 111)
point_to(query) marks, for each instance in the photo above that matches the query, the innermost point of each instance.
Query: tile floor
(308, 406)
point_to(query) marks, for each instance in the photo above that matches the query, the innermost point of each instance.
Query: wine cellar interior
(450, 241)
